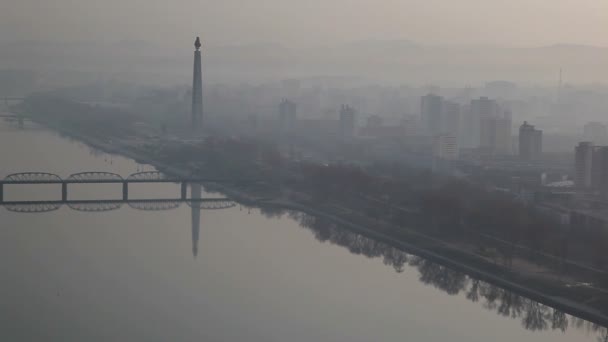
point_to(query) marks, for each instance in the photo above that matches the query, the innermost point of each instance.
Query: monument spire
(197, 88)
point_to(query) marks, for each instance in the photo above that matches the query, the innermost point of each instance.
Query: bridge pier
(64, 192)
(125, 191)
(184, 190)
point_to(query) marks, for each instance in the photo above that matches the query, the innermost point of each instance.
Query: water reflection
(96, 206)
(196, 203)
(196, 191)
(534, 316)
(99, 271)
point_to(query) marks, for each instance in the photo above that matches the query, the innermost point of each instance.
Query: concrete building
(583, 165)
(382, 132)
(485, 107)
(591, 169)
(445, 147)
(287, 116)
(503, 144)
(431, 113)
(347, 121)
(318, 127)
(596, 133)
(450, 121)
(494, 126)
(530, 142)
(439, 117)
(471, 125)
(374, 121)
(599, 171)
(495, 134)
(197, 88)
(411, 126)
(466, 129)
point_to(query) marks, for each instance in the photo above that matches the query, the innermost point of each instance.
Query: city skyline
(308, 170)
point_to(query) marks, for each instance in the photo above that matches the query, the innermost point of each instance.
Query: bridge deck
(122, 181)
(112, 201)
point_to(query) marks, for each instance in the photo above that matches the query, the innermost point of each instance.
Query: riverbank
(426, 247)
(454, 259)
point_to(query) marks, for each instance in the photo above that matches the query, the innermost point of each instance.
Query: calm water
(130, 275)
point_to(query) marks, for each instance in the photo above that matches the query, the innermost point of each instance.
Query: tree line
(532, 315)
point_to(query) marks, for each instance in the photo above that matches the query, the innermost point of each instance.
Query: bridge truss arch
(96, 207)
(212, 204)
(33, 208)
(94, 176)
(151, 176)
(154, 205)
(32, 177)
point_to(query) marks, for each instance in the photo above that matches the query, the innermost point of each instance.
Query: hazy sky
(298, 22)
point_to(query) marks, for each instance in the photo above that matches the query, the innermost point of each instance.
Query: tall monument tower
(197, 88)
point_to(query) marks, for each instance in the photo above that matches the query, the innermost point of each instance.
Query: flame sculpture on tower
(197, 88)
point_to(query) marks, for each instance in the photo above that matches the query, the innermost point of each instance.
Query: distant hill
(394, 61)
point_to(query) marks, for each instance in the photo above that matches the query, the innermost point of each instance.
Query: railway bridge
(101, 177)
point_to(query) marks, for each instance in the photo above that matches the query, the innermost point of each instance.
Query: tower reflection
(196, 191)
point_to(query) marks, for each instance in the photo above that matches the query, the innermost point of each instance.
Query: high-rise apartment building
(468, 135)
(495, 134)
(287, 116)
(439, 117)
(445, 147)
(411, 125)
(591, 169)
(347, 121)
(583, 165)
(478, 124)
(530, 142)
(431, 114)
(503, 142)
(599, 171)
(374, 121)
(451, 115)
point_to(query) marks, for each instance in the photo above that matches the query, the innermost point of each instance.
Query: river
(235, 274)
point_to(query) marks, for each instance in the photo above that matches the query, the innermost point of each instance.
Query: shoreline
(560, 303)
(506, 280)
